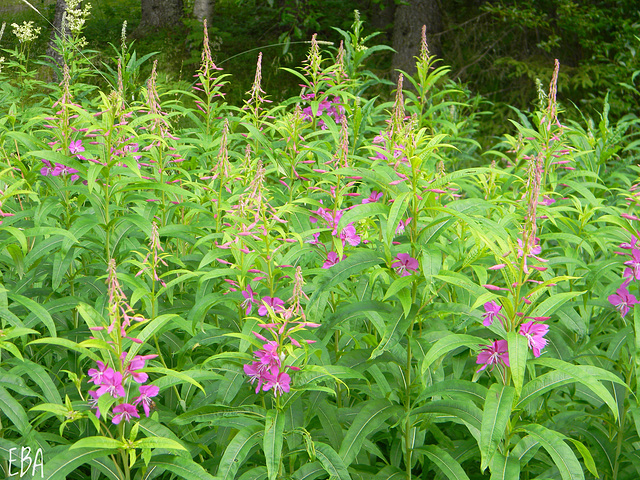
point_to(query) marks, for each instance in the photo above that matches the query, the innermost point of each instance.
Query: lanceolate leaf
(562, 455)
(184, 468)
(10, 407)
(371, 417)
(497, 411)
(505, 468)
(68, 461)
(237, 451)
(331, 461)
(351, 265)
(544, 383)
(518, 351)
(447, 344)
(589, 376)
(273, 437)
(444, 461)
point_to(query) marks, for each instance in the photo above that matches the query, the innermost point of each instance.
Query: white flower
(26, 32)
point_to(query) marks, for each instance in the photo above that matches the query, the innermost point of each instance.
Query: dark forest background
(498, 50)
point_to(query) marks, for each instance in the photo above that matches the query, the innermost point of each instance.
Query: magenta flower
(491, 312)
(535, 332)
(48, 168)
(111, 383)
(256, 371)
(405, 264)
(63, 170)
(279, 381)
(634, 263)
(495, 354)
(268, 355)
(96, 374)
(137, 363)
(332, 259)
(93, 401)
(76, 147)
(124, 411)
(373, 198)
(249, 299)
(622, 300)
(274, 302)
(402, 225)
(349, 235)
(146, 392)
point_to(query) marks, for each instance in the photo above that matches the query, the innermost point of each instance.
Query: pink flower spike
(535, 332)
(488, 286)
(629, 217)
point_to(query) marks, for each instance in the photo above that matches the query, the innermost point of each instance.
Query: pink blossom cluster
(330, 219)
(623, 300)
(332, 108)
(59, 170)
(497, 352)
(268, 370)
(112, 382)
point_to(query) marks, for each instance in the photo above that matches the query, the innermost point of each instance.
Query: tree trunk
(61, 6)
(158, 14)
(408, 21)
(203, 9)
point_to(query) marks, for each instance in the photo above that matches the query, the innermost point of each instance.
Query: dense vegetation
(344, 282)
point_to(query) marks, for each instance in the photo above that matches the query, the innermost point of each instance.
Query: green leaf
(364, 210)
(471, 390)
(396, 212)
(331, 461)
(495, 417)
(309, 471)
(444, 461)
(38, 310)
(172, 373)
(184, 468)
(505, 468)
(98, 442)
(542, 384)
(69, 460)
(353, 264)
(393, 331)
(447, 344)
(518, 352)
(149, 330)
(562, 455)
(66, 343)
(238, 450)
(208, 413)
(370, 418)
(157, 442)
(272, 441)
(551, 304)
(14, 411)
(586, 375)
(586, 456)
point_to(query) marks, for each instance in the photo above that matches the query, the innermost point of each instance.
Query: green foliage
(331, 286)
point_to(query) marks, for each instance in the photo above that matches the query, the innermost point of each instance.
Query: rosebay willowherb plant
(314, 289)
